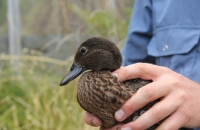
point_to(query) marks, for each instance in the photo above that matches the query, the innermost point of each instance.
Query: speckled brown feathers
(99, 92)
(104, 95)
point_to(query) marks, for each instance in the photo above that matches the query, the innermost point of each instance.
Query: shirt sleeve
(139, 34)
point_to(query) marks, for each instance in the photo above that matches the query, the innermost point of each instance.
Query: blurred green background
(51, 30)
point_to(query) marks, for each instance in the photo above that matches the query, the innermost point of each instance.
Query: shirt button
(165, 47)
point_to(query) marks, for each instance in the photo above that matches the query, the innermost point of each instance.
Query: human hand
(180, 98)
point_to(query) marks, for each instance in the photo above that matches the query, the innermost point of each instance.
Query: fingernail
(115, 74)
(119, 114)
(96, 124)
(126, 128)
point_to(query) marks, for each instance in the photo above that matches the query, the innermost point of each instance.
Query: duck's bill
(74, 71)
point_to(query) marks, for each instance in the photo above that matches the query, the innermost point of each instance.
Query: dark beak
(74, 72)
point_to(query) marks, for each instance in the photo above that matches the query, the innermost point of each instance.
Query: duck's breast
(102, 94)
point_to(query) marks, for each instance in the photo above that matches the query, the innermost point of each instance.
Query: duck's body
(99, 92)
(103, 94)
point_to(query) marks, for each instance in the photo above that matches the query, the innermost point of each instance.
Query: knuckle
(180, 76)
(157, 113)
(185, 114)
(178, 81)
(140, 66)
(182, 95)
(166, 70)
(180, 87)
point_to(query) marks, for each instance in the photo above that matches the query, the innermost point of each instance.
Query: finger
(92, 120)
(117, 127)
(143, 96)
(139, 70)
(158, 112)
(178, 119)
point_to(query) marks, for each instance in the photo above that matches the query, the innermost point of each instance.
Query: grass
(31, 98)
(30, 95)
(105, 23)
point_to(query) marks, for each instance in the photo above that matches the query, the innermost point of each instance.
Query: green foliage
(3, 9)
(3, 19)
(33, 100)
(105, 23)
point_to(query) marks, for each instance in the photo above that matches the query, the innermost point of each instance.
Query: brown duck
(99, 92)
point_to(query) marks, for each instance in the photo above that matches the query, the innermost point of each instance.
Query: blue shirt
(167, 33)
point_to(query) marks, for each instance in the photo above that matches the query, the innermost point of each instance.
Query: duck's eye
(83, 50)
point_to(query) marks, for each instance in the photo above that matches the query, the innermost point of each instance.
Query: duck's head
(95, 54)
